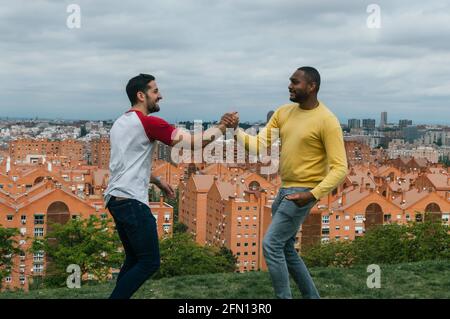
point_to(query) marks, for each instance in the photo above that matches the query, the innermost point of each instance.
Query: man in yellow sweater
(312, 164)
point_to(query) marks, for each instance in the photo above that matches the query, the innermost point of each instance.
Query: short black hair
(312, 74)
(138, 84)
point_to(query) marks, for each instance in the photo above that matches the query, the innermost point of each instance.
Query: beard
(152, 108)
(299, 97)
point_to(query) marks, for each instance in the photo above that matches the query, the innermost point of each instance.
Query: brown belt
(120, 198)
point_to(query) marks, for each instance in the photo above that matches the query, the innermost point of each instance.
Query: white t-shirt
(132, 138)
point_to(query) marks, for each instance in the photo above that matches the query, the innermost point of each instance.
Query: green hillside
(428, 279)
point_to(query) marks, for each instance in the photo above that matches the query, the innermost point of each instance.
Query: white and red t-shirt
(132, 139)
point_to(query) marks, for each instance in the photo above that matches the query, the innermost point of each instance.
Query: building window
(419, 218)
(346, 227)
(38, 219)
(347, 217)
(338, 227)
(408, 218)
(253, 244)
(387, 218)
(253, 253)
(238, 244)
(325, 231)
(245, 253)
(338, 217)
(38, 256)
(8, 279)
(23, 219)
(399, 216)
(166, 229)
(359, 219)
(166, 218)
(103, 216)
(38, 268)
(239, 207)
(245, 244)
(38, 232)
(9, 218)
(325, 219)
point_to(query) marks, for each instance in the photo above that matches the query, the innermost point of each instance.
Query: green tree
(8, 249)
(181, 255)
(385, 244)
(174, 203)
(92, 244)
(429, 240)
(179, 227)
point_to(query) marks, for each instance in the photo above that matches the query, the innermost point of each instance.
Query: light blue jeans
(278, 246)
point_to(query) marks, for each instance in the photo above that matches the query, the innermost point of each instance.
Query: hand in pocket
(302, 198)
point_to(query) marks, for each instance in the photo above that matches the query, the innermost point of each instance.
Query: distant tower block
(269, 115)
(383, 120)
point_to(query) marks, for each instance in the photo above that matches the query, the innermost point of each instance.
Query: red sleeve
(157, 129)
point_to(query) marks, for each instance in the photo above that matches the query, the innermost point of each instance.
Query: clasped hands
(230, 120)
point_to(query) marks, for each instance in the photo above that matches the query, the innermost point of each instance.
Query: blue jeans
(278, 246)
(137, 230)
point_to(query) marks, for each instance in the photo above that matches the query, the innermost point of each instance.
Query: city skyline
(225, 56)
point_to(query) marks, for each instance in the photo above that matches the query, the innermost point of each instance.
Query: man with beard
(312, 163)
(132, 138)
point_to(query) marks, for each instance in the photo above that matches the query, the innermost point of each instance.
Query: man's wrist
(222, 127)
(156, 181)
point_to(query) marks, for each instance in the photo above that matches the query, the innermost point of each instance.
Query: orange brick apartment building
(31, 196)
(383, 195)
(30, 150)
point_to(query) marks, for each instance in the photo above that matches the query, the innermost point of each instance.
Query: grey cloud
(212, 56)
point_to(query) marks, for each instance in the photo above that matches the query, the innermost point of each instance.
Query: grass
(427, 279)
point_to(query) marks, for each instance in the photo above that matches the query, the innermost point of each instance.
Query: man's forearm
(211, 135)
(155, 180)
(333, 179)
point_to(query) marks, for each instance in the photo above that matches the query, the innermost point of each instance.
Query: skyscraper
(368, 124)
(269, 115)
(354, 123)
(383, 120)
(404, 123)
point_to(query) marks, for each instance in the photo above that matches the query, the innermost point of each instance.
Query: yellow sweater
(312, 147)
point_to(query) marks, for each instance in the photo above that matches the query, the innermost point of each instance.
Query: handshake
(230, 120)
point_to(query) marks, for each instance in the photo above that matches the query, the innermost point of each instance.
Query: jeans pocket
(125, 214)
(291, 209)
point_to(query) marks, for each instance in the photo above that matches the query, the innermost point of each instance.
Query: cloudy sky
(213, 56)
